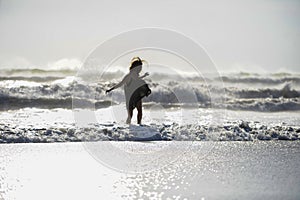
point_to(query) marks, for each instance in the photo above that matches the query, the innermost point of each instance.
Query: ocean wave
(286, 91)
(55, 92)
(261, 80)
(15, 103)
(59, 94)
(31, 78)
(240, 78)
(230, 131)
(263, 105)
(36, 72)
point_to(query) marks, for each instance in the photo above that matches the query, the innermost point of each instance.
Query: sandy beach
(231, 170)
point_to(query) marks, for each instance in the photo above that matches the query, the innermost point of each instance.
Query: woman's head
(136, 64)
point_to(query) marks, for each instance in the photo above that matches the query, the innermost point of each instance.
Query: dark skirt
(137, 95)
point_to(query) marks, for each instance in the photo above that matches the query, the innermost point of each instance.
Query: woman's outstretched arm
(146, 74)
(119, 84)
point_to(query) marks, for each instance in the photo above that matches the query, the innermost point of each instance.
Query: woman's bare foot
(128, 121)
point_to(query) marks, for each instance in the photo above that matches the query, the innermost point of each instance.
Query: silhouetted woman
(135, 89)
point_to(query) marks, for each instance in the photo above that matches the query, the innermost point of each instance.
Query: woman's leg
(130, 113)
(140, 112)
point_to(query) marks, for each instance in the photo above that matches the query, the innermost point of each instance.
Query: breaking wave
(58, 93)
(234, 131)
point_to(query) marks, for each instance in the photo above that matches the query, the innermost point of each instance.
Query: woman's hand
(146, 74)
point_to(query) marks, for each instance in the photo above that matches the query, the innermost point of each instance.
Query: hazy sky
(254, 35)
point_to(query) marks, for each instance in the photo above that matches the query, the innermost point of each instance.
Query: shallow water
(205, 170)
(62, 125)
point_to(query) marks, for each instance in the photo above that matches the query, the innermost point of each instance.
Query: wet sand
(205, 170)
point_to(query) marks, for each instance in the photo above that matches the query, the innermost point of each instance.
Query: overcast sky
(254, 35)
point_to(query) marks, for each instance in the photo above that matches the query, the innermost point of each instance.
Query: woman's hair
(135, 62)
